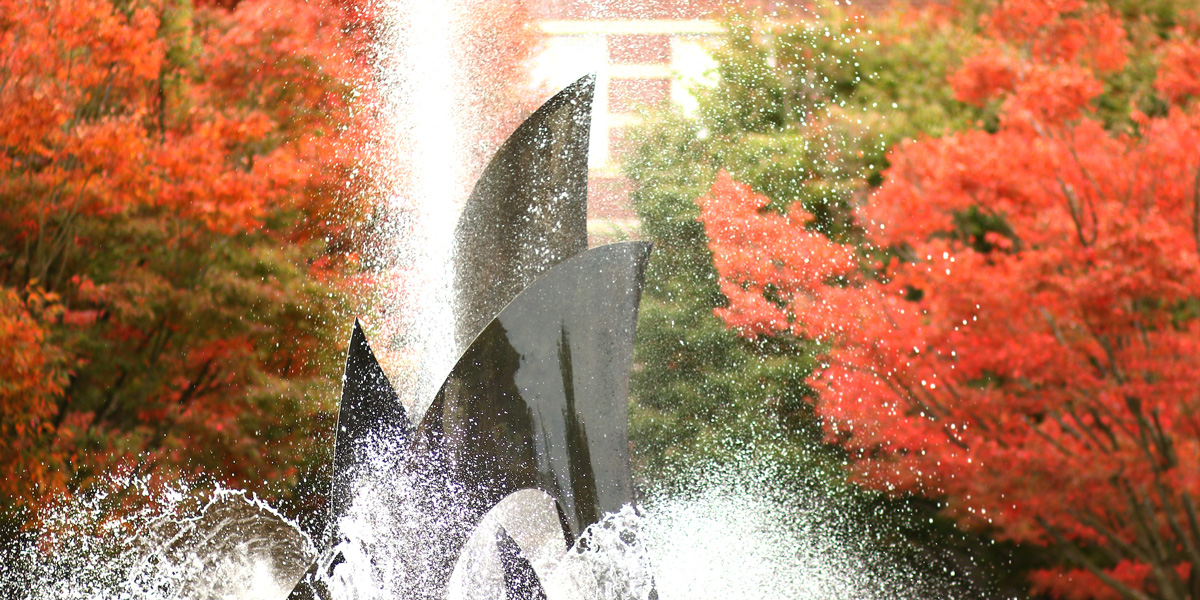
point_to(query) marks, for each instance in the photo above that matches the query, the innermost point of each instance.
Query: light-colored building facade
(645, 53)
(644, 57)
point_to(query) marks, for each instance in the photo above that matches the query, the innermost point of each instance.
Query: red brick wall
(627, 94)
(639, 49)
(608, 198)
(631, 95)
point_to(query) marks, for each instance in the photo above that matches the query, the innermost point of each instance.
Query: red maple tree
(1020, 335)
(173, 192)
(186, 190)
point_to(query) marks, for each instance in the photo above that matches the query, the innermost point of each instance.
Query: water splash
(738, 532)
(129, 540)
(610, 560)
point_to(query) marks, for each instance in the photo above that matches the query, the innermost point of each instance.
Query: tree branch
(1169, 584)
(1076, 555)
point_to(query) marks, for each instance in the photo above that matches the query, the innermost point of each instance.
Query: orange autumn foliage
(31, 382)
(175, 206)
(1179, 72)
(1020, 334)
(187, 190)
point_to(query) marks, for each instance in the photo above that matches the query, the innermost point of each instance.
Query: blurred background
(933, 267)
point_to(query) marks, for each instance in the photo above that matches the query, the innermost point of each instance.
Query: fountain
(520, 454)
(537, 401)
(515, 482)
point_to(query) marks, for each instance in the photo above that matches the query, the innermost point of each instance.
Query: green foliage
(802, 114)
(803, 110)
(1147, 24)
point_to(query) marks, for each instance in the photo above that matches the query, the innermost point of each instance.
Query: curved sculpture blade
(514, 546)
(520, 580)
(527, 213)
(538, 401)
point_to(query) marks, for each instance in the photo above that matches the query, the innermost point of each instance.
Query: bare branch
(1166, 447)
(1124, 550)
(1169, 584)
(1077, 556)
(1073, 207)
(1088, 430)
(1188, 542)
(1053, 442)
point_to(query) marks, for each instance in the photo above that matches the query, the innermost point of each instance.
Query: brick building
(644, 54)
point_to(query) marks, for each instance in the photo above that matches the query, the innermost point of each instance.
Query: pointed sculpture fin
(370, 418)
(527, 213)
(520, 580)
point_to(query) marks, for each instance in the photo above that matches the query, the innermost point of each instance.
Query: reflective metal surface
(371, 420)
(520, 580)
(539, 399)
(527, 213)
(516, 546)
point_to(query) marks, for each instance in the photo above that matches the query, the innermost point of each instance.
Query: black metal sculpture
(370, 415)
(538, 398)
(527, 213)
